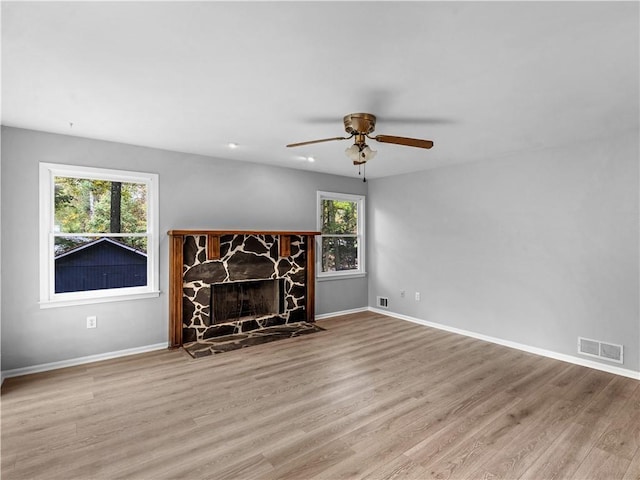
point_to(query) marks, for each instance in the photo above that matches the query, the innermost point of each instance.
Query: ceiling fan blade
(410, 142)
(317, 141)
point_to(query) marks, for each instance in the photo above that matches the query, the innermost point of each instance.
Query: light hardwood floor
(371, 397)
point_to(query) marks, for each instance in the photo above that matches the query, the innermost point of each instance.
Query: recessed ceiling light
(311, 159)
(232, 145)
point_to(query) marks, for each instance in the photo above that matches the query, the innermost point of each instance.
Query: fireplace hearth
(259, 336)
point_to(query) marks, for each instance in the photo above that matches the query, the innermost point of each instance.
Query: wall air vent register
(605, 351)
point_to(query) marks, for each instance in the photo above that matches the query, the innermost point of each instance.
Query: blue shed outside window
(101, 264)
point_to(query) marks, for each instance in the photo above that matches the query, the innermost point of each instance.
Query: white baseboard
(343, 312)
(518, 346)
(72, 362)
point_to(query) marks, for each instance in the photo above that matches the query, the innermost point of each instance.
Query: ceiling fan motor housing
(359, 123)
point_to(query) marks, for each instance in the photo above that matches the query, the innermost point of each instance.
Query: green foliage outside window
(339, 217)
(339, 235)
(83, 205)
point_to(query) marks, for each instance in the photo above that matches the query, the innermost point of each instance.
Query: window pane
(100, 206)
(339, 217)
(339, 253)
(96, 263)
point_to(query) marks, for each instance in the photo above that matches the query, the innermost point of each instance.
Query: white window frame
(48, 297)
(361, 271)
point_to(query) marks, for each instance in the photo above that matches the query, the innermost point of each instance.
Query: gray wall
(536, 248)
(195, 192)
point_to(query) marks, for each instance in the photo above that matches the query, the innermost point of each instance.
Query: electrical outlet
(402, 293)
(92, 321)
(417, 296)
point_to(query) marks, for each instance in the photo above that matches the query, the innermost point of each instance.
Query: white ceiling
(480, 79)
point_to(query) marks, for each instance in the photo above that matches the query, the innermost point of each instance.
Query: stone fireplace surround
(201, 259)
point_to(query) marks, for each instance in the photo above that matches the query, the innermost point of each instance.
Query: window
(98, 235)
(341, 243)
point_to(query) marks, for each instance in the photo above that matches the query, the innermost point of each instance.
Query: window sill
(89, 301)
(340, 276)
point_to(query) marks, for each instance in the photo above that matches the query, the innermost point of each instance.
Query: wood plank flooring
(372, 397)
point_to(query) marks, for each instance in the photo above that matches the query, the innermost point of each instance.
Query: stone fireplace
(226, 283)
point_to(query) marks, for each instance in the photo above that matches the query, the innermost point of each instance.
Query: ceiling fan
(359, 126)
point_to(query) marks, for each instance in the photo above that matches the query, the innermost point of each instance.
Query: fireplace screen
(248, 299)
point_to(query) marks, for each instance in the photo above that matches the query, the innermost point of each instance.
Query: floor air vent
(383, 302)
(605, 351)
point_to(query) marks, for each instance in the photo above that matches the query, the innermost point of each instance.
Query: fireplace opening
(247, 299)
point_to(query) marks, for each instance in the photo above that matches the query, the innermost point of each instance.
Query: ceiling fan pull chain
(364, 168)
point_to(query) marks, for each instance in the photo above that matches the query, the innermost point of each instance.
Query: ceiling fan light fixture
(353, 152)
(368, 154)
(360, 153)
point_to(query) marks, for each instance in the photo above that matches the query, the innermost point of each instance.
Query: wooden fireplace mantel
(176, 262)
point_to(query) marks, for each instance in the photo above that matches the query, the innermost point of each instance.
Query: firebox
(248, 299)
